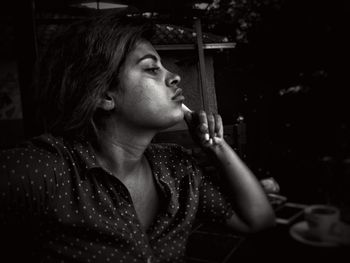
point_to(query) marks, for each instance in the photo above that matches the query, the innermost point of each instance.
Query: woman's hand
(253, 211)
(206, 129)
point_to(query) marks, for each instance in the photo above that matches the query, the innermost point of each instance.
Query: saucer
(299, 231)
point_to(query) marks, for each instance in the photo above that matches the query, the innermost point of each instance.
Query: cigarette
(185, 108)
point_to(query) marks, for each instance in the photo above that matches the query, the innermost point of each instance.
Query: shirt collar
(86, 156)
(162, 175)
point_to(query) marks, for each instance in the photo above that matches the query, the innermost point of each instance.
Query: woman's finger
(211, 125)
(203, 126)
(188, 119)
(219, 128)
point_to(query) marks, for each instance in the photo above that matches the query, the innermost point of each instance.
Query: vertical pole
(202, 71)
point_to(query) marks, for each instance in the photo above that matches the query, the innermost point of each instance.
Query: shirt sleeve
(214, 205)
(22, 197)
(213, 200)
(27, 182)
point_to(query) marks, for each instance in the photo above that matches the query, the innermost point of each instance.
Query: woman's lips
(178, 95)
(179, 98)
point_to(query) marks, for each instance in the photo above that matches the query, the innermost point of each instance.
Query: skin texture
(151, 101)
(149, 89)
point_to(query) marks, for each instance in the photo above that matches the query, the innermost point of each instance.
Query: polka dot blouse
(60, 205)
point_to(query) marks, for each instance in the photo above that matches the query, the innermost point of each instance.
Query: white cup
(321, 219)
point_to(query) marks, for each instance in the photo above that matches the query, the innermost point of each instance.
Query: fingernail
(206, 136)
(210, 141)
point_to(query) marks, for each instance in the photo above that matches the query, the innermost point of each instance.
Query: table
(212, 243)
(276, 245)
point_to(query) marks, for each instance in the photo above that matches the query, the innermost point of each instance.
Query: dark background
(290, 82)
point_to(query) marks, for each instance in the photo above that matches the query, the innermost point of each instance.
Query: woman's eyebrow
(150, 56)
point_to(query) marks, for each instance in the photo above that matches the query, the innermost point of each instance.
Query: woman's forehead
(142, 49)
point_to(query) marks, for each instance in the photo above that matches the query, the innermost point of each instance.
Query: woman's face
(151, 98)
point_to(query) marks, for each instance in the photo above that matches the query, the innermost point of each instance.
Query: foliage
(240, 16)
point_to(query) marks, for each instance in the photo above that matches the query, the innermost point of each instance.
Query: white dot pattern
(83, 213)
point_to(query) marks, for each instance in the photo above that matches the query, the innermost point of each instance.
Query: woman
(93, 188)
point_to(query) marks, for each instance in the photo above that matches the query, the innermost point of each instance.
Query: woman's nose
(173, 79)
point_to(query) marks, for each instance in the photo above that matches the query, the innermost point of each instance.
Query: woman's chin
(175, 121)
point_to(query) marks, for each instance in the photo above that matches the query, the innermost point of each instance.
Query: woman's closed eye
(152, 70)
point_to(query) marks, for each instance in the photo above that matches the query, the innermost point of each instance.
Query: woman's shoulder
(170, 150)
(173, 162)
(172, 155)
(41, 151)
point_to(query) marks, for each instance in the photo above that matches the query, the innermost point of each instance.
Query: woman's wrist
(219, 147)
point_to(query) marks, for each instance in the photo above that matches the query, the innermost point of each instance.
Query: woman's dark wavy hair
(80, 65)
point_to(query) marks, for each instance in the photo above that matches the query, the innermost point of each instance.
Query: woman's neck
(120, 151)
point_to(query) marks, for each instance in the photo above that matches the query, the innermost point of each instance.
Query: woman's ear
(107, 102)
